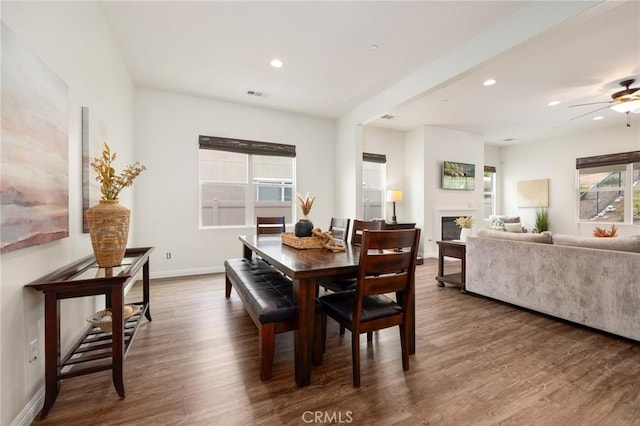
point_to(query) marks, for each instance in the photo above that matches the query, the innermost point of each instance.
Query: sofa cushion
(543, 237)
(630, 244)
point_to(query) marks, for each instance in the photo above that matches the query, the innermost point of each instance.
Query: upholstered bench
(267, 296)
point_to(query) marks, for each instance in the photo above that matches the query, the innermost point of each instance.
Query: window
(373, 185)
(609, 188)
(489, 191)
(240, 180)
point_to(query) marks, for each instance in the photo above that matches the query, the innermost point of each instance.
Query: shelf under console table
(95, 350)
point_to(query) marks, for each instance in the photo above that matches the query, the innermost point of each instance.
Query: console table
(95, 350)
(457, 250)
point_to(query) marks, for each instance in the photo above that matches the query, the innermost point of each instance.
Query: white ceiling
(221, 50)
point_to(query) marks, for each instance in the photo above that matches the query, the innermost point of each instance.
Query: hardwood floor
(477, 362)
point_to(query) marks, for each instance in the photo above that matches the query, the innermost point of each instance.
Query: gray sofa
(589, 281)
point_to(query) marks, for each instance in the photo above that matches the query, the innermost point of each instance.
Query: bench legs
(267, 345)
(227, 290)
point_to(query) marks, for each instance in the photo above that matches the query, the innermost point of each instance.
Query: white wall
(555, 159)
(414, 206)
(390, 143)
(441, 145)
(414, 163)
(167, 130)
(492, 157)
(72, 38)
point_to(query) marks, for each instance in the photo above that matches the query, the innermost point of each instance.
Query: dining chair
(349, 284)
(339, 228)
(382, 269)
(356, 238)
(269, 225)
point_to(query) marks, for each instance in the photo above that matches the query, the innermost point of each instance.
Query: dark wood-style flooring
(477, 362)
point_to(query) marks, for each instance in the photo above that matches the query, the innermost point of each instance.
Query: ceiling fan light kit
(627, 106)
(624, 101)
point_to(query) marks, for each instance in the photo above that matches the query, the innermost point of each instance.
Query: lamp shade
(627, 106)
(394, 195)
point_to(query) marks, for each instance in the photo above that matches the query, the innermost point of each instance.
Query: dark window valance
(608, 160)
(374, 158)
(489, 169)
(246, 147)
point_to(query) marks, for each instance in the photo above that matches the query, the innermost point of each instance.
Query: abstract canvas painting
(94, 135)
(533, 193)
(34, 159)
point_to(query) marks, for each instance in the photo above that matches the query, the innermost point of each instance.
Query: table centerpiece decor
(304, 227)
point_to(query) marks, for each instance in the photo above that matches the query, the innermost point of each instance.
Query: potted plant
(465, 223)
(108, 220)
(542, 219)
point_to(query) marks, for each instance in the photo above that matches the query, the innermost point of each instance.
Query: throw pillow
(495, 222)
(513, 227)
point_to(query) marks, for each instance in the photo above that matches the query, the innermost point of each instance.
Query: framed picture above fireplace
(458, 175)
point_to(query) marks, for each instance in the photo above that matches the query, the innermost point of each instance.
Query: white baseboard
(187, 272)
(31, 410)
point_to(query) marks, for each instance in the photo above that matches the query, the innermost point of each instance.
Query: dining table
(306, 268)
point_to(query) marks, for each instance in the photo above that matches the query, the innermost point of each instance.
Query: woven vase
(109, 230)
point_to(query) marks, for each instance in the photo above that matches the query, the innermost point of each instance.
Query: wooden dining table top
(303, 263)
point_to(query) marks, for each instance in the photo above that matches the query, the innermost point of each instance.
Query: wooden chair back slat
(270, 225)
(339, 228)
(359, 226)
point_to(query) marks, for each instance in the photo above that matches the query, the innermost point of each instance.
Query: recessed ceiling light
(553, 103)
(276, 63)
(489, 82)
(508, 140)
(600, 117)
(374, 47)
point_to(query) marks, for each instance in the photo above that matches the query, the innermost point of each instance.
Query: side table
(457, 250)
(95, 351)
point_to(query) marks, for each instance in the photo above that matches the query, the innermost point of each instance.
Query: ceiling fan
(624, 101)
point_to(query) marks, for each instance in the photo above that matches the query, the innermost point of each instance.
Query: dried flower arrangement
(110, 183)
(464, 221)
(305, 203)
(599, 232)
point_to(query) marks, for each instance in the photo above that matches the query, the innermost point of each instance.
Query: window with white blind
(373, 185)
(241, 179)
(489, 205)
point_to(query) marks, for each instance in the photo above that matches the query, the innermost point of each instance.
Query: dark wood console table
(455, 249)
(95, 350)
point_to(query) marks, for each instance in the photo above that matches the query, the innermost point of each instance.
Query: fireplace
(443, 226)
(449, 229)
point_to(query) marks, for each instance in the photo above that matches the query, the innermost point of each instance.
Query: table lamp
(394, 196)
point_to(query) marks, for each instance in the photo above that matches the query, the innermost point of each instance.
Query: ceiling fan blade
(590, 112)
(592, 103)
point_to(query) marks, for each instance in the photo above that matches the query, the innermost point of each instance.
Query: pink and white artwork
(34, 159)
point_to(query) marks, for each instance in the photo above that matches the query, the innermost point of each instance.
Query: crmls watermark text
(327, 417)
